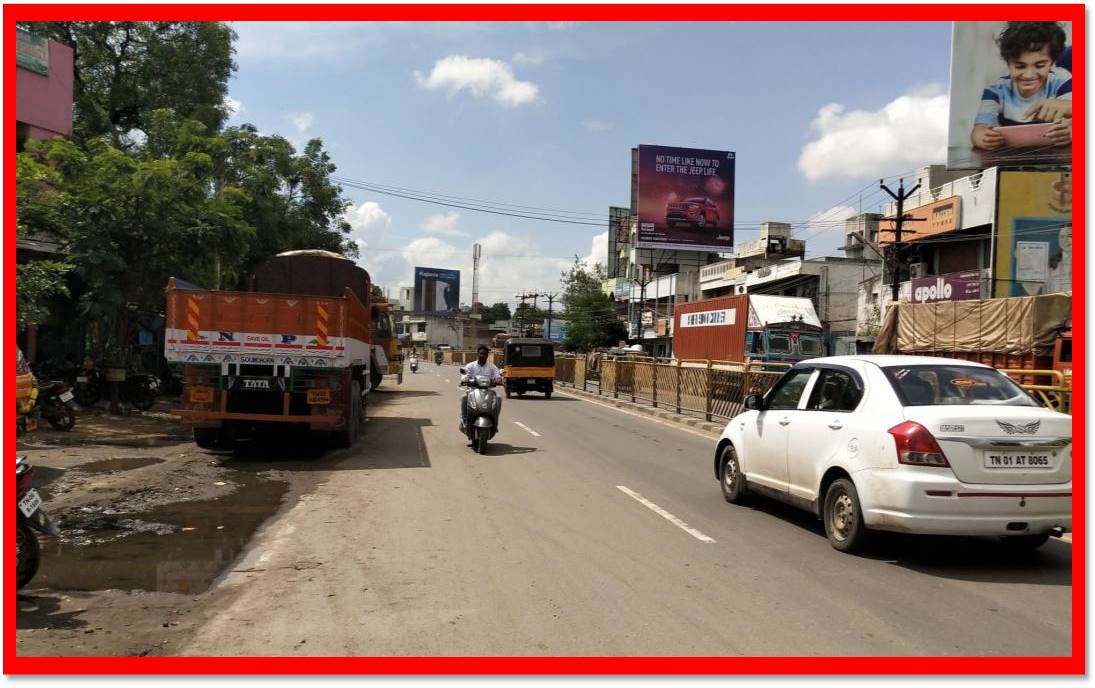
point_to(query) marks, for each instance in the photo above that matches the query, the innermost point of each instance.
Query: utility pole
(551, 301)
(898, 220)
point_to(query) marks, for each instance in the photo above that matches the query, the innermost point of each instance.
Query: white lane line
(665, 514)
(526, 428)
(1067, 537)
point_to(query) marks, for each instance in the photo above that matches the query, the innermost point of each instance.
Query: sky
(545, 115)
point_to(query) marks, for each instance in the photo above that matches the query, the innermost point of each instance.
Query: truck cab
(785, 343)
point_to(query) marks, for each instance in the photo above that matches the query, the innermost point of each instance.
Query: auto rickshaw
(529, 365)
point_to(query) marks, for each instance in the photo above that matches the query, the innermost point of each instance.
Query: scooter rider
(478, 367)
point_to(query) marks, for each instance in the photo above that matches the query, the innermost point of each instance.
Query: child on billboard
(1035, 91)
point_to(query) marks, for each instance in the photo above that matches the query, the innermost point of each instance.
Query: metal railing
(1048, 386)
(708, 389)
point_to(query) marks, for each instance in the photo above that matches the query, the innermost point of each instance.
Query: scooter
(414, 364)
(484, 409)
(56, 405)
(28, 518)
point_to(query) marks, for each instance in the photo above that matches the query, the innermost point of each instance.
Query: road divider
(665, 514)
(526, 428)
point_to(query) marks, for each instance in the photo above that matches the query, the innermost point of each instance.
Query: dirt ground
(148, 523)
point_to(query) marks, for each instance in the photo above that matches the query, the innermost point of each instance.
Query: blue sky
(544, 114)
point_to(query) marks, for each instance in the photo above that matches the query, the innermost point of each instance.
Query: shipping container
(713, 329)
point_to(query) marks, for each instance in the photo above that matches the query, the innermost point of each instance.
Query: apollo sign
(955, 286)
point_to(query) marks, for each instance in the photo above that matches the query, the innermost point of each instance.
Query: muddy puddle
(180, 547)
(121, 463)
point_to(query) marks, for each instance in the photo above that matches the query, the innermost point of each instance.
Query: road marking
(446, 382)
(1067, 537)
(665, 514)
(655, 419)
(526, 429)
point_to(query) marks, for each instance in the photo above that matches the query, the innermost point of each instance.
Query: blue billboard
(436, 290)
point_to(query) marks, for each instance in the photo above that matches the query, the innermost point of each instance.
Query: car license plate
(66, 396)
(30, 503)
(201, 395)
(81, 378)
(319, 396)
(1019, 460)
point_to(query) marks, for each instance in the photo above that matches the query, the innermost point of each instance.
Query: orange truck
(294, 350)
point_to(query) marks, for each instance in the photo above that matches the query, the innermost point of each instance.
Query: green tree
(35, 284)
(497, 313)
(125, 71)
(526, 316)
(589, 312)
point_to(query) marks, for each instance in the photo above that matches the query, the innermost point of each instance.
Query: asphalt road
(589, 531)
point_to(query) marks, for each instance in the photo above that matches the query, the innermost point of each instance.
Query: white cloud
(909, 131)
(233, 106)
(483, 77)
(303, 121)
(598, 125)
(561, 25)
(443, 223)
(369, 223)
(598, 251)
(301, 41)
(526, 59)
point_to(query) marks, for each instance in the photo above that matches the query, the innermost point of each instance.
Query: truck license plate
(201, 395)
(81, 378)
(1018, 460)
(531, 381)
(30, 503)
(319, 396)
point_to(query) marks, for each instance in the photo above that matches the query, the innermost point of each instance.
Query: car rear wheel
(730, 476)
(843, 517)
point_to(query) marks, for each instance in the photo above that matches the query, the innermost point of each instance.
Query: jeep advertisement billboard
(436, 290)
(686, 199)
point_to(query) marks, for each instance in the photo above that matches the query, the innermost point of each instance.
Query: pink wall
(45, 102)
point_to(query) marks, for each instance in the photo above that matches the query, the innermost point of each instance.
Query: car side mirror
(754, 402)
(463, 371)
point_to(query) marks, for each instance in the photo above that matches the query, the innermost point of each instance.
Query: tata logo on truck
(256, 384)
(725, 316)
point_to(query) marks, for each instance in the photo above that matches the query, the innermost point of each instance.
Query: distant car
(912, 444)
(699, 211)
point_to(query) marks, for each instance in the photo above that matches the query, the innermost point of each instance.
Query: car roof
(890, 361)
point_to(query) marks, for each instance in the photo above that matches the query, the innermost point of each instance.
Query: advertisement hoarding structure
(1033, 233)
(685, 199)
(436, 290)
(982, 93)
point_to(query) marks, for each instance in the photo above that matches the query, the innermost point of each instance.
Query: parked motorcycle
(56, 404)
(88, 387)
(141, 389)
(484, 409)
(28, 518)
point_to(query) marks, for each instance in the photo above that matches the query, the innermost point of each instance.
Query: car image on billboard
(686, 199)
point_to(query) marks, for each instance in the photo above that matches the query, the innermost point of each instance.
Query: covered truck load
(1012, 333)
(297, 351)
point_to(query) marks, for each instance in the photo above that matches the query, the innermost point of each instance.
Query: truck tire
(208, 438)
(375, 378)
(348, 435)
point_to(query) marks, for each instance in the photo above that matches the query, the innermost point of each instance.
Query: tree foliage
(589, 312)
(527, 316)
(125, 71)
(186, 203)
(499, 312)
(35, 284)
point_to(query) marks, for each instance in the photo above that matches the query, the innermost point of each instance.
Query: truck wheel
(208, 438)
(375, 378)
(348, 435)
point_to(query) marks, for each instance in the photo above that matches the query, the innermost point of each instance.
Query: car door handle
(836, 425)
(785, 421)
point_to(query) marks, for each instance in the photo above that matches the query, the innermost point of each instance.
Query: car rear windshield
(955, 385)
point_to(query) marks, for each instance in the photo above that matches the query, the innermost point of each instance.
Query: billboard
(1033, 233)
(686, 199)
(952, 286)
(1010, 104)
(436, 290)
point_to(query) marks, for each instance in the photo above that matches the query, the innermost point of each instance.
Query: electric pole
(898, 220)
(551, 301)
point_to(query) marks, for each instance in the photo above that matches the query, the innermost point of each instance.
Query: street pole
(899, 219)
(551, 301)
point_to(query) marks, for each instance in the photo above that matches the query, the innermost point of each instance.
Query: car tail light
(916, 446)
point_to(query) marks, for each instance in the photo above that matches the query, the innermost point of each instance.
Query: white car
(912, 444)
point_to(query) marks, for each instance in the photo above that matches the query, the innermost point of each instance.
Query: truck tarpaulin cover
(773, 310)
(1019, 325)
(685, 199)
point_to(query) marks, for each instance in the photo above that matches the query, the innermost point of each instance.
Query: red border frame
(1074, 664)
